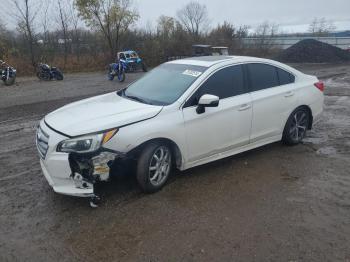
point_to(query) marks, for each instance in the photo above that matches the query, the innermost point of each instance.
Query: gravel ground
(275, 203)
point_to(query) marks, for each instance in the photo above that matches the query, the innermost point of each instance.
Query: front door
(220, 128)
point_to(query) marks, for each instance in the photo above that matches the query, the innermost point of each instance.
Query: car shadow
(123, 189)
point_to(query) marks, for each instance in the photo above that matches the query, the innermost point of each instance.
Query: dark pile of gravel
(313, 51)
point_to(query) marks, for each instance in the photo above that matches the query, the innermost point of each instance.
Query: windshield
(164, 84)
(133, 55)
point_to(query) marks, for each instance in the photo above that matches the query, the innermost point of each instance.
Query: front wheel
(121, 76)
(43, 76)
(296, 126)
(10, 81)
(154, 167)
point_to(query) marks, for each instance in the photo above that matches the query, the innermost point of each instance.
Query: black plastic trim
(63, 134)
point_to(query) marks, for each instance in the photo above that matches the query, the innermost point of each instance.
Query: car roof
(203, 46)
(208, 61)
(128, 51)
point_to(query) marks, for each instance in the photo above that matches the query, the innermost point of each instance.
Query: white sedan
(182, 114)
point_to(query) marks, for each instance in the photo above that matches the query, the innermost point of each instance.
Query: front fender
(165, 126)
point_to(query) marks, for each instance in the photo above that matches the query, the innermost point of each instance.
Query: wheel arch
(177, 154)
(310, 114)
(309, 111)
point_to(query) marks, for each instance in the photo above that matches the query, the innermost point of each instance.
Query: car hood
(99, 113)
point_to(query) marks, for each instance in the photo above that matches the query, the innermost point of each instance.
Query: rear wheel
(121, 76)
(296, 126)
(10, 81)
(154, 167)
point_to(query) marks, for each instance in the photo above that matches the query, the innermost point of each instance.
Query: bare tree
(194, 17)
(243, 31)
(264, 33)
(64, 20)
(25, 16)
(2, 39)
(45, 28)
(111, 17)
(321, 26)
(75, 31)
(165, 26)
(313, 26)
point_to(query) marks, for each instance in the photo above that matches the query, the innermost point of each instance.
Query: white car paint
(99, 113)
(238, 124)
(213, 131)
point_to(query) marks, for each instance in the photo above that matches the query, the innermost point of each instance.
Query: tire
(121, 77)
(10, 81)
(59, 76)
(144, 67)
(43, 76)
(152, 174)
(296, 126)
(110, 76)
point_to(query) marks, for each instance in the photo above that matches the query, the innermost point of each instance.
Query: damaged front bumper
(76, 175)
(71, 173)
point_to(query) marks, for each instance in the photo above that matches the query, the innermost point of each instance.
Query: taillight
(320, 86)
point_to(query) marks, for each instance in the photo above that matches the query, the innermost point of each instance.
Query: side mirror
(207, 101)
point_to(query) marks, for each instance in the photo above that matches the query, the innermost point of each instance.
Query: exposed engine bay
(87, 169)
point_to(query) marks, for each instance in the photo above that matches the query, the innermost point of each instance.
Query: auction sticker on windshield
(192, 73)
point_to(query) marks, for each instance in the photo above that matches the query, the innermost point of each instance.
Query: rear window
(262, 76)
(284, 77)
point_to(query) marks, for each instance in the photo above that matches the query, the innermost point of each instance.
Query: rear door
(273, 97)
(220, 128)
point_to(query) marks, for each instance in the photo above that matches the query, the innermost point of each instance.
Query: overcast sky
(292, 15)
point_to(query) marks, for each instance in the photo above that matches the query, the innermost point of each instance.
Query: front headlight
(86, 144)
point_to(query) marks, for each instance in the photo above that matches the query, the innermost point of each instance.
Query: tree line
(80, 35)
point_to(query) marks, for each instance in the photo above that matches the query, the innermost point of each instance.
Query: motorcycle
(117, 70)
(45, 72)
(8, 73)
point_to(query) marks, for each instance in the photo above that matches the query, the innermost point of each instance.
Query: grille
(42, 142)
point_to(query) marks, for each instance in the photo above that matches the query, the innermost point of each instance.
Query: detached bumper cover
(55, 166)
(65, 186)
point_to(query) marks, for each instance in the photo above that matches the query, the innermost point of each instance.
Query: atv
(132, 61)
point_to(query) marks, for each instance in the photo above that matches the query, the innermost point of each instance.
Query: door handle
(244, 107)
(288, 94)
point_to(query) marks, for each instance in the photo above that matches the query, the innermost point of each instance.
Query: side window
(262, 76)
(285, 77)
(225, 83)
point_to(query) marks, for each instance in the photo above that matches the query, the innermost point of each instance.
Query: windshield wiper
(136, 98)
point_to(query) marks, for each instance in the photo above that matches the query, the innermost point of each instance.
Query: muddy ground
(275, 203)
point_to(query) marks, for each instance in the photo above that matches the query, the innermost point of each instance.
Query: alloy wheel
(298, 126)
(159, 167)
